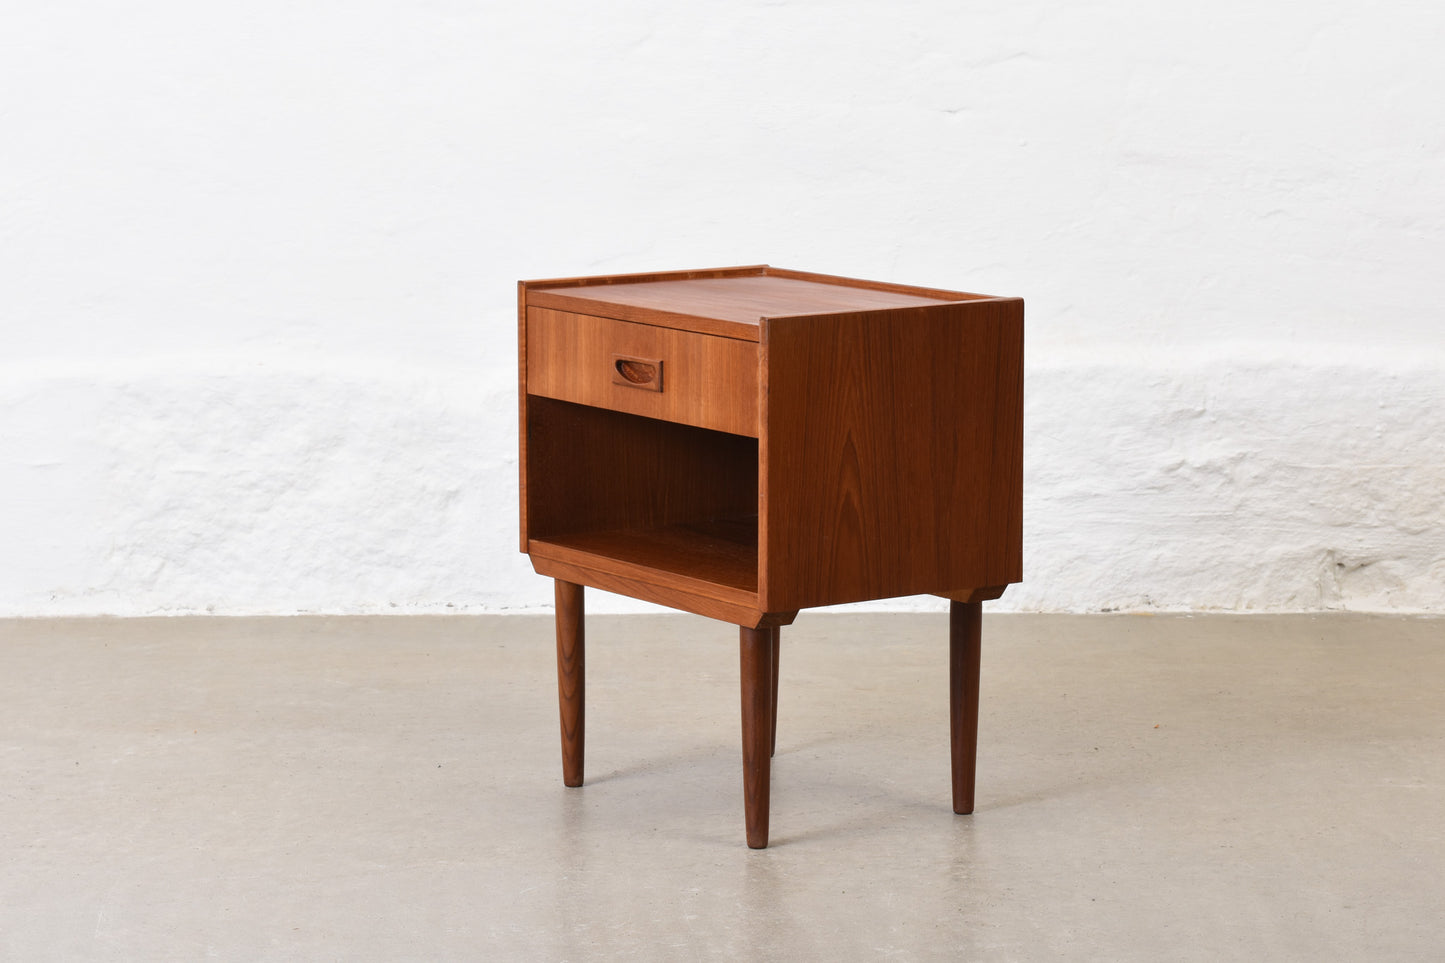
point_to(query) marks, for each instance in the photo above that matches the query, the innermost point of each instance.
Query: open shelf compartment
(642, 500)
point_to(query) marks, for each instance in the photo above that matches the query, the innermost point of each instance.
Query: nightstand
(743, 443)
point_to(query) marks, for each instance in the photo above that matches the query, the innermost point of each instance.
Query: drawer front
(681, 376)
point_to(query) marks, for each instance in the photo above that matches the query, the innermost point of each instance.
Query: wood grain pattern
(644, 374)
(717, 557)
(566, 301)
(598, 280)
(592, 469)
(596, 572)
(732, 306)
(939, 294)
(571, 678)
(892, 453)
(756, 658)
(708, 381)
(965, 629)
(557, 294)
(748, 299)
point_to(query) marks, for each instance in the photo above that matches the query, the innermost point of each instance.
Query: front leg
(571, 678)
(756, 650)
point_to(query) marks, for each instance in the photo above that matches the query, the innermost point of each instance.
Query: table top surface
(748, 299)
(738, 296)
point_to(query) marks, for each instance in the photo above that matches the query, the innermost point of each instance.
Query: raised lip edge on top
(554, 295)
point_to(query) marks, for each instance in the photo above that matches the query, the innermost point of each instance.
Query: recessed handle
(644, 373)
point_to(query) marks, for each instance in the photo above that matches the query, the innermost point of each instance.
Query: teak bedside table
(746, 442)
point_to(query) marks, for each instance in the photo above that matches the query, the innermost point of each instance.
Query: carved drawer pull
(644, 373)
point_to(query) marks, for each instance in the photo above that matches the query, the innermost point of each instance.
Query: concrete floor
(1209, 788)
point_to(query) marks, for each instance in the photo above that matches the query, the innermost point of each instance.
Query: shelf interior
(642, 499)
(717, 552)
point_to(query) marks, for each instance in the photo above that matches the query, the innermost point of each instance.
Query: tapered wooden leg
(965, 623)
(756, 647)
(773, 714)
(571, 678)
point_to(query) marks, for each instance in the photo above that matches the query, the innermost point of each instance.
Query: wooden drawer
(665, 373)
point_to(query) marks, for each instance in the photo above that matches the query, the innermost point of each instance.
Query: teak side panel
(591, 469)
(892, 453)
(707, 381)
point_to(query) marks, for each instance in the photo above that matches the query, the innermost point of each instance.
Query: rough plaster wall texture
(259, 487)
(1193, 483)
(256, 270)
(1238, 478)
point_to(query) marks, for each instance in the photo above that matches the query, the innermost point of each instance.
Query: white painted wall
(257, 270)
